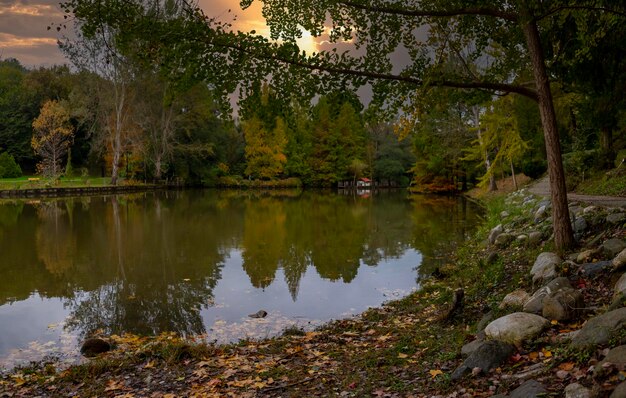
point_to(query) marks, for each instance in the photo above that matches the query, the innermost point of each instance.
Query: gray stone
(535, 237)
(515, 299)
(593, 269)
(470, 347)
(613, 247)
(589, 209)
(535, 304)
(576, 390)
(541, 213)
(586, 256)
(563, 305)
(515, 328)
(522, 238)
(504, 214)
(620, 287)
(545, 266)
(493, 234)
(484, 321)
(620, 391)
(620, 260)
(600, 329)
(504, 239)
(616, 356)
(488, 355)
(529, 389)
(616, 218)
(258, 314)
(580, 225)
(492, 258)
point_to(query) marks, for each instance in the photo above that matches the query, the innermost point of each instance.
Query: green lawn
(24, 183)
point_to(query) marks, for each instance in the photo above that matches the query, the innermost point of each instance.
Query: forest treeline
(122, 118)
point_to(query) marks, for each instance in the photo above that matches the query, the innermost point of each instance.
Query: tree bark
(513, 175)
(563, 234)
(606, 145)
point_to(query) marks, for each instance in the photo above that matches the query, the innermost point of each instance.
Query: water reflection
(149, 263)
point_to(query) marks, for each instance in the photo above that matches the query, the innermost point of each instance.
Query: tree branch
(492, 86)
(483, 11)
(587, 8)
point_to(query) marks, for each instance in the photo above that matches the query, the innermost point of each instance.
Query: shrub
(534, 168)
(8, 167)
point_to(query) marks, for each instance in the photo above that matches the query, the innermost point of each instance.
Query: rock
(613, 247)
(600, 329)
(620, 287)
(504, 239)
(488, 355)
(545, 266)
(620, 260)
(593, 269)
(529, 389)
(485, 320)
(534, 238)
(616, 356)
(580, 225)
(258, 314)
(515, 299)
(616, 218)
(620, 391)
(541, 213)
(563, 305)
(589, 210)
(576, 390)
(470, 347)
(504, 214)
(535, 304)
(522, 238)
(586, 256)
(516, 327)
(494, 233)
(94, 346)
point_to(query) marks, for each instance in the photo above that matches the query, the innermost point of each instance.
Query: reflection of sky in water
(33, 327)
(203, 261)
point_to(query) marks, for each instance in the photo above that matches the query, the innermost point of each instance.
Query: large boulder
(488, 355)
(620, 287)
(534, 238)
(515, 328)
(620, 260)
(494, 233)
(544, 268)
(613, 247)
(593, 269)
(616, 218)
(504, 239)
(563, 305)
(600, 329)
(620, 391)
(616, 356)
(529, 389)
(515, 299)
(576, 390)
(535, 303)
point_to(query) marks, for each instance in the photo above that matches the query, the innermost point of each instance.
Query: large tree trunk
(606, 145)
(563, 234)
(492, 178)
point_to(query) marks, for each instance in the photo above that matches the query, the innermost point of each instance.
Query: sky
(24, 34)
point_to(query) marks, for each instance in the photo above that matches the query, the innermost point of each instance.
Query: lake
(198, 262)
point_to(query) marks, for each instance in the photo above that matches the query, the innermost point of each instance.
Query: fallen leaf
(435, 372)
(566, 366)
(402, 356)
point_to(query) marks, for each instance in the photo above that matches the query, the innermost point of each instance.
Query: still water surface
(198, 262)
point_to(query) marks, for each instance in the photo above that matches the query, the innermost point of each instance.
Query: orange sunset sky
(23, 23)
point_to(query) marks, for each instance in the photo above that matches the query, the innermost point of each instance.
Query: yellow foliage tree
(53, 135)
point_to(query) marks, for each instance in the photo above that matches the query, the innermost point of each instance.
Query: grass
(612, 183)
(64, 182)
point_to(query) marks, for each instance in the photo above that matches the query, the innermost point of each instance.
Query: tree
(52, 137)
(265, 148)
(503, 39)
(8, 167)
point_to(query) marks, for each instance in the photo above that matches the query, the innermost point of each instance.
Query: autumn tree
(265, 148)
(53, 135)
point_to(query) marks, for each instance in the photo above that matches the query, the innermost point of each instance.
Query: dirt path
(542, 188)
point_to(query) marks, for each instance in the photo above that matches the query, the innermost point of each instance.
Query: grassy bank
(405, 348)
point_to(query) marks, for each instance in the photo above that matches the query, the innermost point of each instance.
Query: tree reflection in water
(149, 263)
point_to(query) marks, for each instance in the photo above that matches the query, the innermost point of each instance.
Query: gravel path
(542, 188)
